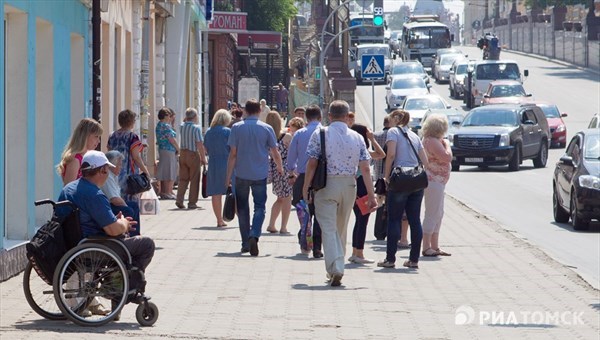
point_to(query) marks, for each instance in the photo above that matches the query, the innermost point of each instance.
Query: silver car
(443, 65)
(457, 77)
(402, 86)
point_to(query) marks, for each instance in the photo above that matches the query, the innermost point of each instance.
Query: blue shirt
(253, 140)
(297, 157)
(405, 156)
(94, 208)
(190, 135)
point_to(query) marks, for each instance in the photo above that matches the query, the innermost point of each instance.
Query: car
(402, 86)
(454, 116)
(558, 128)
(441, 71)
(486, 71)
(457, 75)
(382, 49)
(506, 92)
(418, 104)
(400, 67)
(595, 122)
(499, 135)
(439, 52)
(576, 181)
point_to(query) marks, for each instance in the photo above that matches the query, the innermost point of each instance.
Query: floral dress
(281, 185)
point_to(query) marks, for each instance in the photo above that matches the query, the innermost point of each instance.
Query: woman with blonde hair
(85, 137)
(281, 185)
(438, 170)
(295, 124)
(215, 143)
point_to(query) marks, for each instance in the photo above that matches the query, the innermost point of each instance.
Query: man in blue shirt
(296, 164)
(251, 141)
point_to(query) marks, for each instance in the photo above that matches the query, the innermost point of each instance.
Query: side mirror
(486, 96)
(387, 87)
(429, 86)
(448, 106)
(529, 122)
(455, 123)
(528, 95)
(567, 160)
(526, 73)
(564, 114)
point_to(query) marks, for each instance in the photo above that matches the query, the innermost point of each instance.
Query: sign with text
(230, 22)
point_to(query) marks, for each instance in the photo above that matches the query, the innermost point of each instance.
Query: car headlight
(504, 139)
(588, 181)
(561, 128)
(451, 139)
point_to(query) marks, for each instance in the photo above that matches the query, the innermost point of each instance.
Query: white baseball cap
(94, 159)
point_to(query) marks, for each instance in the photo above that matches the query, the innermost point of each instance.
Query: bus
(422, 35)
(368, 34)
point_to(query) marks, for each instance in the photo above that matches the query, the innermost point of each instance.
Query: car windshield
(592, 147)
(550, 111)
(408, 83)
(487, 117)
(407, 68)
(507, 91)
(374, 50)
(448, 59)
(461, 69)
(498, 71)
(424, 104)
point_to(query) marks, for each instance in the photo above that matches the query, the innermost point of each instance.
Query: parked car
(506, 92)
(576, 181)
(457, 77)
(418, 104)
(383, 49)
(402, 86)
(595, 122)
(400, 67)
(501, 134)
(441, 71)
(558, 128)
(454, 116)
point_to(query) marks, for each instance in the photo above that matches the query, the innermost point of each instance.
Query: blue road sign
(373, 66)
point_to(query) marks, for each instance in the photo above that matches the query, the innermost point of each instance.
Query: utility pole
(96, 89)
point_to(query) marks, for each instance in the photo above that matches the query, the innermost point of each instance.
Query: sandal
(272, 230)
(410, 264)
(430, 252)
(442, 253)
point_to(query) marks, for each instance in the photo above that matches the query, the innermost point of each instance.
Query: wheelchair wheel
(87, 275)
(146, 315)
(39, 295)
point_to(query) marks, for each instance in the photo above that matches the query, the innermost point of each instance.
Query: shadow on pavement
(401, 270)
(69, 327)
(297, 257)
(325, 286)
(213, 228)
(593, 228)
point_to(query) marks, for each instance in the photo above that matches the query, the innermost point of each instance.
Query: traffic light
(318, 72)
(378, 13)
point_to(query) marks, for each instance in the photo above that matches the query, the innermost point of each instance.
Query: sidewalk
(204, 288)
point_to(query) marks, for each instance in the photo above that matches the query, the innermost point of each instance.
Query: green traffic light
(378, 20)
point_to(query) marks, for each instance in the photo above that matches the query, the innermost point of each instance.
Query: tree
(224, 6)
(269, 15)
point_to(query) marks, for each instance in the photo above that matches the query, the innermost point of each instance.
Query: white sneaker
(352, 259)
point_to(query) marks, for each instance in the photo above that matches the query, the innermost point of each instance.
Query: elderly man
(346, 152)
(191, 158)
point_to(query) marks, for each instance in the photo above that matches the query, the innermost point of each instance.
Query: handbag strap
(322, 134)
(411, 144)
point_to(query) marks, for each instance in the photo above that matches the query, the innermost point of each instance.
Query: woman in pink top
(438, 170)
(85, 137)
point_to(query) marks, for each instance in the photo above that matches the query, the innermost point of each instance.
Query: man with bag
(345, 152)
(191, 158)
(251, 141)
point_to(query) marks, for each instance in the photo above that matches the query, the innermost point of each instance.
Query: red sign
(261, 40)
(231, 22)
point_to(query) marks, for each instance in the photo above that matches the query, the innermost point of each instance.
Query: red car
(506, 92)
(558, 128)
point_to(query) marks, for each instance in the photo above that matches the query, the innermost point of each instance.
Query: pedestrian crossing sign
(373, 66)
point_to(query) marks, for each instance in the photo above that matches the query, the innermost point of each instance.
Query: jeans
(259, 196)
(397, 204)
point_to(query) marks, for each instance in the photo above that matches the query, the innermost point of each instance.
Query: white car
(418, 105)
(402, 86)
(457, 77)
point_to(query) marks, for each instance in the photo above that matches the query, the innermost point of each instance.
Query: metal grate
(475, 142)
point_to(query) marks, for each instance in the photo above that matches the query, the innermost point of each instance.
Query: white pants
(434, 207)
(333, 206)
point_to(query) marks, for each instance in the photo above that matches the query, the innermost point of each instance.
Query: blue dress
(215, 142)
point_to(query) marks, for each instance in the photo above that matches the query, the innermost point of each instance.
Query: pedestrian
(345, 151)
(295, 125)
(168, 149)
(439, 155)
(281, 186)
(251, 142)
(128, 143)
(282, 99)
(236, 116)
(351, 119)
(296, 165)
(112, 189)
(400, 153)
(192, 157)
(301, 66)
(299, 112)
(359, 232)
(85, 137)
(264, 111)
(215, 143)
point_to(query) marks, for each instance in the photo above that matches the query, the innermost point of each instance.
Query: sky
(455, 6)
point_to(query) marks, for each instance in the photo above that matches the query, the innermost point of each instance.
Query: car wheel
(560, 214)
(455, 167)
(578, 223)
(515, 162)
(542, 157)
(562, 145)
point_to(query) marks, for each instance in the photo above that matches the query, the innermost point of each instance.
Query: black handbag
(319, 180)
(229, 206)
(137, 183)
(380, 187)
(204, 182)
(408, 179)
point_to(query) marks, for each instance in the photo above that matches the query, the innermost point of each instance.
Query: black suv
(501, 134)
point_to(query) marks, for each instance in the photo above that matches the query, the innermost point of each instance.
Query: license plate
(474, 160)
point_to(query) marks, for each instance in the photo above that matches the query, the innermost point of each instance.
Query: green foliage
(269, 15)
(224, 6)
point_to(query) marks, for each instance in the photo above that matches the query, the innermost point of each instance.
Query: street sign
(248, 88)
(373, 66)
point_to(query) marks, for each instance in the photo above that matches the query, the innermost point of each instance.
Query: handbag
(229, 206)
(204, 182)
(137, 183)
(319, 180)
(408, 179)
(380, 187)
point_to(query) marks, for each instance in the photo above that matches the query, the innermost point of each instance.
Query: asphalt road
(522, 201)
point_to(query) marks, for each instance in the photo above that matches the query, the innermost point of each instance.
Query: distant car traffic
(400, 67)
(441, 71)
(402, 86)
(506, 92)
(558, 128)
(457, 77)
(576, 182)
(418, 104)
(501, 134)
(454, 116)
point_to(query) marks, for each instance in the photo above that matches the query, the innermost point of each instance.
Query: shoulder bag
(137, 183)
(408, 179)
(319, 180)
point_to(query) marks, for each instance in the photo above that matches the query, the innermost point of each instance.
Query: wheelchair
(93, 270)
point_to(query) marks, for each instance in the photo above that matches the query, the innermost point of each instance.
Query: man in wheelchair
(97, 219)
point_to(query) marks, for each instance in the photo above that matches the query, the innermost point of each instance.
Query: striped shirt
(190, 135)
